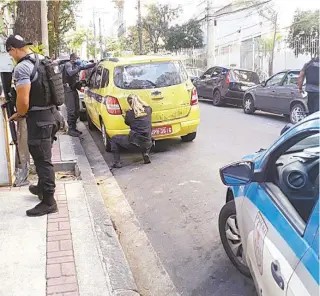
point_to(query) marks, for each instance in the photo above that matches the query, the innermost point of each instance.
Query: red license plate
(162, 130)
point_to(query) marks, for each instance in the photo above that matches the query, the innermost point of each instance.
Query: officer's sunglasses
(9, 49)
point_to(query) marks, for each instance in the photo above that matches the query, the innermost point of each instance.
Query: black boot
(73, 133)
(116, 160)
(146, 156)
(74, 127)
(42, 209)
(34, 190)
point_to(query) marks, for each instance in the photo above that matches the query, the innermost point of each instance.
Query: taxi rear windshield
(150, 75)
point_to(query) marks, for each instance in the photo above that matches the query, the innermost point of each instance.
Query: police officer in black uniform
(34, 102)
(310, 71)
(70, 79)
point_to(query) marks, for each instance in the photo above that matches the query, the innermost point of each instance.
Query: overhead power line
(232, 12)
(240, 9)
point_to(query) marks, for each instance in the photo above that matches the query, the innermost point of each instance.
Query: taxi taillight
(113, 106)
(194, 97)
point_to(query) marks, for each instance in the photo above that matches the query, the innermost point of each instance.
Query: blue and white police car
(269, 226)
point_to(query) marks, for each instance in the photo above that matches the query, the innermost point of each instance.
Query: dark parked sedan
(279, 95)
(225, 85)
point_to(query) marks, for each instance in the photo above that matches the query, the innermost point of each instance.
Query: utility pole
(100, 39)
(210, 34)
(140, 28)
(94, 34)
(273, 44)
(44, 27)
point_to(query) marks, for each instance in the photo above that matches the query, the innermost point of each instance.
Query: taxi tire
(91, 126)
(189, 137)
(83, 116)
(229, 209)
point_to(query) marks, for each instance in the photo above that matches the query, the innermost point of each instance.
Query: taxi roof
(119, 61)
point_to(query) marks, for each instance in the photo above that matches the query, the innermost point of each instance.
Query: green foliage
(156, 23)
(8, 6)
(188, 35)
(61, 21)
(132, 41)
(304, 32)
(266, 44)
(38, 49)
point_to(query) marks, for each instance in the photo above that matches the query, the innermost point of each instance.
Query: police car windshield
(150, 75)
(311, 141)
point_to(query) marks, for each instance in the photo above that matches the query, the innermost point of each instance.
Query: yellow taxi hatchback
(162, 82)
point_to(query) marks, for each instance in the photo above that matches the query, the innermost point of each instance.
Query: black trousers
(40, 126)
(313, 102)
(124, 141)
(73, 106)
(121, 141)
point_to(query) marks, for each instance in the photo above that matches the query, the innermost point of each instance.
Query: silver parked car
(279, 95)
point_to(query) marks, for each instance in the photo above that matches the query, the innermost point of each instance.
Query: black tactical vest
(312, 72)
(40, 95)
(71, 80)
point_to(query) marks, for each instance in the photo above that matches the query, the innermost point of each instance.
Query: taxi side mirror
(238, 173)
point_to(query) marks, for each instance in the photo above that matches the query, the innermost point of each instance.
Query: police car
(269, 226)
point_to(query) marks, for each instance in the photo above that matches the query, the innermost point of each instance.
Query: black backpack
(54, 78)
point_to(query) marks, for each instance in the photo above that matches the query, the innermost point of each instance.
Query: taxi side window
(98, 77)
(294, 174)
(92, 79)
(105, 78)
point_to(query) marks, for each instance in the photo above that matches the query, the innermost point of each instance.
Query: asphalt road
(178, 197)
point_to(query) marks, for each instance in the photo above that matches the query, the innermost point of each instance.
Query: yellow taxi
(162, 82)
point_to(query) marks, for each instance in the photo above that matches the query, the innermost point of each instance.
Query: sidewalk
(74, 252)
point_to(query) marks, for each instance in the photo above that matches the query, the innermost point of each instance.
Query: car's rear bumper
(180, 127)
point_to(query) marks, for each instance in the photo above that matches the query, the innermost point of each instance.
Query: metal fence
(255, 54)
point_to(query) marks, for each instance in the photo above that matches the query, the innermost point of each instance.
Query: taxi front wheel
(105, 138)
(230, 237)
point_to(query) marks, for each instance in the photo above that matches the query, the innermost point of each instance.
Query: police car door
(305, 279)
(274, 232)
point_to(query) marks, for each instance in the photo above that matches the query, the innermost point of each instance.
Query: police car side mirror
(286, 127)
(238, 173)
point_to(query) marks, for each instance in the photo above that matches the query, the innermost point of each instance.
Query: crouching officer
(34, 102)
(138, 118)
(70, 79)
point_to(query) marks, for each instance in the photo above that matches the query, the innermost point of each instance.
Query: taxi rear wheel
(230, 237)
(189, 137)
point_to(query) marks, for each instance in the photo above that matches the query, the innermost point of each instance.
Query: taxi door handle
(276, 273)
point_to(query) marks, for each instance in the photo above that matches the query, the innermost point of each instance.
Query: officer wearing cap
(33, 102)
(310, 72)
(70, 79)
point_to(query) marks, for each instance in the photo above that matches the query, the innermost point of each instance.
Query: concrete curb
(113, 260)
(151, 277)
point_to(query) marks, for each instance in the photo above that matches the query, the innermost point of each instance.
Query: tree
(188, 35)
(61, 19)
(157, 22)
(132, 41)
(268, 13)
(304, 33)
(28, 22)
